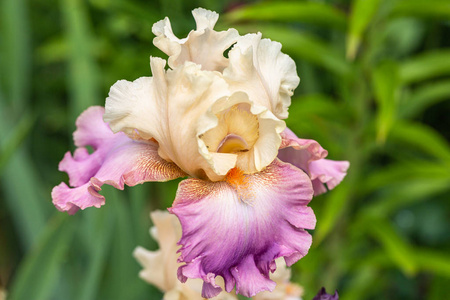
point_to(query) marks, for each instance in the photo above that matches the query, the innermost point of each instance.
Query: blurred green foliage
(374, 91)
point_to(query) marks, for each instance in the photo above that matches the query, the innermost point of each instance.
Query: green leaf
(385, 84)
(404, 173)
(362, 13)
(304, 46)
(362, 280)
(38, 273)
(401, 195)
(97, 231)
(83, 71)
(316, 104)
(425, 66)
(306, 12)
(433, 9)
(395, 246)
(433, 261)
(17, 136)
(423, 138)
(28, 206)
(423, 97)
(335, 204)
(16, 52)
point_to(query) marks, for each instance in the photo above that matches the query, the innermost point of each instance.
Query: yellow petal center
(237, 131)
(232, 143)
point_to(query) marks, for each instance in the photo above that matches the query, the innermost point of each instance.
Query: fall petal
(116, 160)
(237, 228)
(329, 172)
(309, 156)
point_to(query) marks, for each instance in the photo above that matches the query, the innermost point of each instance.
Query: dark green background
(374, 90)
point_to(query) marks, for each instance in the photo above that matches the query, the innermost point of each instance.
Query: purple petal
(322, 295)
(238, 227)
(116, 160)
(328, 171)
(309, 156)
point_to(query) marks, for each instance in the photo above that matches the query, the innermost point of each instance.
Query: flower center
(232, 143)
(237, 131)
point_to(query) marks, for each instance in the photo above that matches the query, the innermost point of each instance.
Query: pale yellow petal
(262, 139)
(167, 107)
(259, 68)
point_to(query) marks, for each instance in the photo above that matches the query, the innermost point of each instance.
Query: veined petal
(203, 46)
(259, 68)
(116, 160)
(309, 156)
(167, 108)
(237, 228)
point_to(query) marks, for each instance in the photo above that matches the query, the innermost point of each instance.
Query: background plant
(375, 89)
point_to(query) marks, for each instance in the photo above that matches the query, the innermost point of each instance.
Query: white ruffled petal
(259, 68)
(203, 46)
(167, 108)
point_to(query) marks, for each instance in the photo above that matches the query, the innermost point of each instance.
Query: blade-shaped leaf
(39, 271)
(307, 12)
(425, 66)
(425, 96)
(423, 138)
(83, 76)
(334, 207)
(16, 52)
(395, 246)
(419, 8)
(362, 13)
(385, 83)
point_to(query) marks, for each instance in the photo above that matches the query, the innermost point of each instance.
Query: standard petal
(167, 108)
(116, 160)
(309, 156)
(259, 68)
(238, 227)
(203, 46)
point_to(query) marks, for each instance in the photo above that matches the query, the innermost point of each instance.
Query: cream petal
(262, 153)
(160, 266)
(166, 108)
(259, 68)
(203, 46)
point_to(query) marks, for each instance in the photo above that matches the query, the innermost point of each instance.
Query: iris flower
(220, 122)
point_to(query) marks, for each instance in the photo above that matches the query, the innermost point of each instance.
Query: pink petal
(116, 160)
(237, 228)
(309, 156)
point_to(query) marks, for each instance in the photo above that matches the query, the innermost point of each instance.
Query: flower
(160, 267)
(322, 295)
(220, 122)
